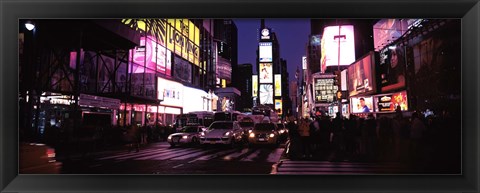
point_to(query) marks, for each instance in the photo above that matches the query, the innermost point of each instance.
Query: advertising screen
(278, 85)
(325, 90)
(392, 68)
(171, 91)
(344, 80)
(390, 102)
(360, 76)
(331, 36)
(278, 106)
(362, 104)
(254, 85)
(388, 30)
(304, 62)
(152, 54)
(183, 39)
(266, 74)
(183, 70)
(266, 94)
(265, 52)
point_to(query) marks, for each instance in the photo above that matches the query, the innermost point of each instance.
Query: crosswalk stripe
(218, 154)
(251, 156)
(325, 167)
(166, 153)
(275, 155)
(192, 155)
(177, 154)
(134, 154)
(235, 155)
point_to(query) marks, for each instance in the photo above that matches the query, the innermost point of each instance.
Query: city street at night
(240, 96)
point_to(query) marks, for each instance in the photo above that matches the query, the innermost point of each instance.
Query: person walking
(304, 131)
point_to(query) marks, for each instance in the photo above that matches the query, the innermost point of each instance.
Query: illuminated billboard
(183, 70)
(152, 54)
(343, 80)
(278, 106)
(386, 31)
(171, 92)
(390, 102)
(392, 68)
(325, 90)
(278, 85)
(254, 85)
(266, 94)
(183, 38)
(265, 73)
(330, 39)
(362, 104)
(180, 36)
(304, 62)
(265, 52)
(361, 77)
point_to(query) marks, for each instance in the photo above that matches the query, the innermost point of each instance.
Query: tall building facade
(244, 73)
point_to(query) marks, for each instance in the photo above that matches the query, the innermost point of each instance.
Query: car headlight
(227, 133)
(250, 131)
(169, 137)
(202, 134)
(282, 131)
(185, 137)
(252, 135)
(272, 135)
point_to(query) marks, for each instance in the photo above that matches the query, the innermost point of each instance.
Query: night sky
(292, 35)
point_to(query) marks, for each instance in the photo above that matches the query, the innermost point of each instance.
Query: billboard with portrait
(278, 85)
(266, 94)
(183, 70)
(390, 102)
(254, 85)
(361, 77)
(330, 40)
(392, 68)
(265, 52)
(362, 104)
(266, 73)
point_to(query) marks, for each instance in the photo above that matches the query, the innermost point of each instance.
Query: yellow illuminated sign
(278, 85)
(182, 36)
(254, 85)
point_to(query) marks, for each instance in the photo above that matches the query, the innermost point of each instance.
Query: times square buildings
(411, 63)
(126, 71)
(121, 72)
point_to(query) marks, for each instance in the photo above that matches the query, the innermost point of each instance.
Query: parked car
(36, 158)
(264, 133)
(188, 135)
(222, 132)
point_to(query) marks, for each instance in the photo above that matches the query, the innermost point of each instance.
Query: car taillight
(50, 153)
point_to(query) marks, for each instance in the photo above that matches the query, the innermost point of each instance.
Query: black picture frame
(12, 11)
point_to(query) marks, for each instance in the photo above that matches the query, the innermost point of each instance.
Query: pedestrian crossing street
(341, 168)
(164, 152)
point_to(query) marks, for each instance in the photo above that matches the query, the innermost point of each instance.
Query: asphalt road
(160, 158)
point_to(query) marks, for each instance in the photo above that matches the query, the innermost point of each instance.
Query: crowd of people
(415, 139)
(87, 139)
